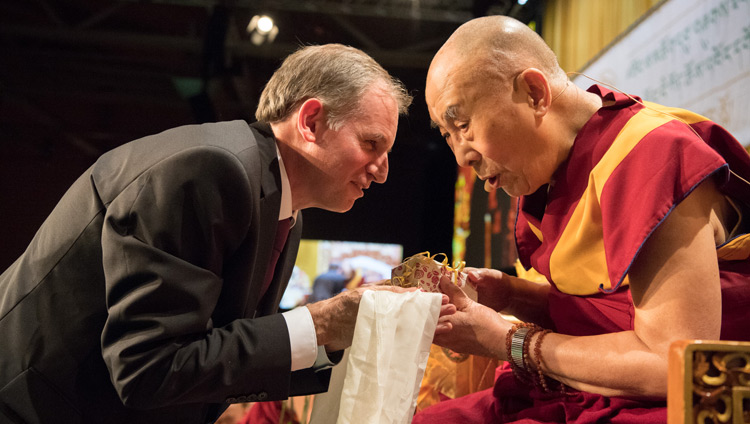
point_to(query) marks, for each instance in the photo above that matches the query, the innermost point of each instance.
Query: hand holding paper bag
(335, 318)
(473, 328)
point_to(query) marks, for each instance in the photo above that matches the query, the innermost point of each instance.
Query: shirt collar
(286, 192)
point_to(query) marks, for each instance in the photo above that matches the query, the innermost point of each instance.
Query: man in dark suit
(149, 295)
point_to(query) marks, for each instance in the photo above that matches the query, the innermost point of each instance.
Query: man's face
(488, 125)
(357, 153)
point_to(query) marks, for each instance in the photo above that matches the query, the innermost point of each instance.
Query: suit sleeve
(164, 241)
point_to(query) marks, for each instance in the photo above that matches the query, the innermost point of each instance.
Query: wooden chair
(709, 382)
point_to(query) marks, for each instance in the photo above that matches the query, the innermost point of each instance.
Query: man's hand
(335, 318)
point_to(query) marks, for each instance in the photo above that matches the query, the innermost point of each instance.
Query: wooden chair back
(709, 382)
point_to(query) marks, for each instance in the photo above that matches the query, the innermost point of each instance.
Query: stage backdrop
(693, 54)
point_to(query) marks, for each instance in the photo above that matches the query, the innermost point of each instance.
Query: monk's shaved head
(494, 47)
(490, 92)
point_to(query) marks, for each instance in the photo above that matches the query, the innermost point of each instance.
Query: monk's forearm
(615, 364)
(529, 301)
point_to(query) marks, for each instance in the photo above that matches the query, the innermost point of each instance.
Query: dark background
(80, 77)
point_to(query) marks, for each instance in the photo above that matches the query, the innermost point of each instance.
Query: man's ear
(534, 85)
(310, 119)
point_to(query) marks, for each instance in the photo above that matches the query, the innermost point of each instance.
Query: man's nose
(379, 169)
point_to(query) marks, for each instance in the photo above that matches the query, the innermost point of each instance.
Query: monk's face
(487, 122)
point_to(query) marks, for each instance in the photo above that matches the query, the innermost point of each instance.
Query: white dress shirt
(302, 337)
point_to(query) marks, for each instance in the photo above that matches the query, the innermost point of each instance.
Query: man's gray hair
(335, 74)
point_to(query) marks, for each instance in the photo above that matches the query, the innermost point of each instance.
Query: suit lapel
(268, 212)
(269, 206)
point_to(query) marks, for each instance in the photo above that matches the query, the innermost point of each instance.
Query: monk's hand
(335, 318)
(472, 328)
(494, 289)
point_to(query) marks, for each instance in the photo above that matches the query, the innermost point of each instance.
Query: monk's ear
(311, 119)
(534, 85)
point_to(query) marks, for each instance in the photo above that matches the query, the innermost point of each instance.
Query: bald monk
(633, 212)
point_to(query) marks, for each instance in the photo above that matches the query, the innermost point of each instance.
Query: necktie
(282, 232)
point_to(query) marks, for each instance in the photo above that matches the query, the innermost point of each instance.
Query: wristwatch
(516, 347)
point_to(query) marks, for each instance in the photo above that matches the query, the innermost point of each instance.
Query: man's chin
(342, 207)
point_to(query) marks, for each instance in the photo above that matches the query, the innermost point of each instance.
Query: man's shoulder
(230, 135)
(186, 147)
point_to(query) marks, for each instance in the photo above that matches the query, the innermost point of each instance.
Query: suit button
(262, 396)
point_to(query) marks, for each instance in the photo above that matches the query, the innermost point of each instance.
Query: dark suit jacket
(138, 299)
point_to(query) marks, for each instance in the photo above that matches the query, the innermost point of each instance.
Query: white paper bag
(388, 356)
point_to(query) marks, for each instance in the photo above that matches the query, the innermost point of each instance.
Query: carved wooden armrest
(709, 382)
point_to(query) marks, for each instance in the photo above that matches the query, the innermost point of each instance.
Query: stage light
(522, 2)
(262, 30)
(265, 24)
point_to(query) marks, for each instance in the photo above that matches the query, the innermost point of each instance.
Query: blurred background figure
(331, 282)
